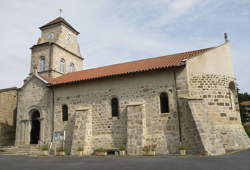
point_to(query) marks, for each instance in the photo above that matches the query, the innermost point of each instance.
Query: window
(65, 112)
(164, 102)
(115, 107)
(231, 94)
(72, 67)
(42, 64)
(62, 65)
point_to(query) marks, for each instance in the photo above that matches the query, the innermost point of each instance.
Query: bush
(149, 148)
(44, 148)
(100, 150)
(60, 149)
(80, 149)
(122, 148)
(182, 147)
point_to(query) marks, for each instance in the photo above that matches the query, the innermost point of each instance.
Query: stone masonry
(203, 112)
(8, 105)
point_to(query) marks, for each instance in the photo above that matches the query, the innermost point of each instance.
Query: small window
(164, 102)
(232, 93)
(42, 64)
(72, 67)
(62, 66)
(115, 107)
(65, 113)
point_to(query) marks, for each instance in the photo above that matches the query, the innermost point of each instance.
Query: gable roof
(245, 103)
(168, 61)
(57, 21)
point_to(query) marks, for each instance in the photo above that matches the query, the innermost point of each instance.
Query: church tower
(57, 51)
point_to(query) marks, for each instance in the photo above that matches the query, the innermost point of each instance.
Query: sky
(115, 31)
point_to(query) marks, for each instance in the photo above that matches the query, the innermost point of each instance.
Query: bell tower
(57, 51)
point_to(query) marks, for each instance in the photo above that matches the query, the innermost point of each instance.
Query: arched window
(62, 65)
(232, 93)
(65, 112)
(115, 107)
(72, 67)
(164, 102)
(42, 64)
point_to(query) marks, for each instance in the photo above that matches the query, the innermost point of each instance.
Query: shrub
(100, 150)
(182, 147)
(80, 149)
(122, 148)
(60, 149)
(149, 148)
(44, 148)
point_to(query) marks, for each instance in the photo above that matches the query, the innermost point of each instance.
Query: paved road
(236, 161)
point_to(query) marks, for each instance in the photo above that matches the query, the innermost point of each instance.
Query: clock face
(51, 36)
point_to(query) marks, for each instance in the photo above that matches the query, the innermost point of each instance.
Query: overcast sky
(114, 31)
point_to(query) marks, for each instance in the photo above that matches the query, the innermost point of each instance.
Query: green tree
(243, 97)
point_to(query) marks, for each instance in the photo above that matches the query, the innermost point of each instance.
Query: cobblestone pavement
(235, 161)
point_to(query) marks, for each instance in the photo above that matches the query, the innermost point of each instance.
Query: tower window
(62, 65)
(164, 102)
(72, 67)
(65, 113)
(42, 64)
(115, 107)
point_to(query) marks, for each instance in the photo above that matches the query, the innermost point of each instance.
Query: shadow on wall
(7, 131)
(7, 134)
(190, 135)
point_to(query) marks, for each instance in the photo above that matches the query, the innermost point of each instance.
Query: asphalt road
(236, 161)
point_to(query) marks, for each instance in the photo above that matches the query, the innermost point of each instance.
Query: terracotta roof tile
(57, 21)
(245, 103)
(174, 60)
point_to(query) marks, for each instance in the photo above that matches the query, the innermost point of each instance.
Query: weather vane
(60, 11)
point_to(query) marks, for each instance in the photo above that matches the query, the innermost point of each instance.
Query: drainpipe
(178, 108)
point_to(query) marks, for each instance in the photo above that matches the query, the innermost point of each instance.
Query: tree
(243, 97)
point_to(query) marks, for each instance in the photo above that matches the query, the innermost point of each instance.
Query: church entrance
(35, 127)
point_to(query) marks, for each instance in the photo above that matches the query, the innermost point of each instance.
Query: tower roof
(59, 20)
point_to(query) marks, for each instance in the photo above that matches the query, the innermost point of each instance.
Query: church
(187, 99)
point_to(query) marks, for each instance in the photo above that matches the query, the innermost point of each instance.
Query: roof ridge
(142, 60)
(155, 63)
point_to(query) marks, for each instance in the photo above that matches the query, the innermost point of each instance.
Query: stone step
(20, 150)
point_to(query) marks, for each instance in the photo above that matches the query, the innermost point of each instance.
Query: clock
(51, 36)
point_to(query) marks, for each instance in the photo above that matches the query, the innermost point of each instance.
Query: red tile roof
(174, 60)
(245, 103)
(57, 21)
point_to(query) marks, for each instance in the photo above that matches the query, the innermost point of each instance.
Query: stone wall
(111, 132)
(34, 95)
(59, 53)
(8, 105)
(219, 122)
(136, 129)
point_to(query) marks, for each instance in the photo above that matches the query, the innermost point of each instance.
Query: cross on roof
(60, 11)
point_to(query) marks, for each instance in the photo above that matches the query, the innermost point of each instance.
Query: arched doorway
(35, 127)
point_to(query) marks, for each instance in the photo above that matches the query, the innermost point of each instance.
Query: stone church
(186, 99)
